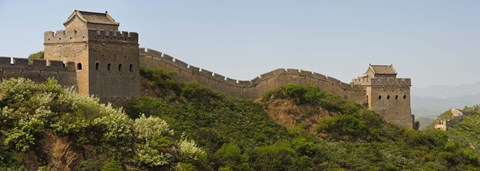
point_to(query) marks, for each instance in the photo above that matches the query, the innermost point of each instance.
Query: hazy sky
(431, 41)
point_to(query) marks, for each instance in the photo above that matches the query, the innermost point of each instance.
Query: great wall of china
(250, 89)
(95, 58)
(38, 70)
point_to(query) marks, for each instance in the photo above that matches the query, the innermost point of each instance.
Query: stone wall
(114, 65)
(70, 45)
(38, 70)
(255, 88)
(107, 63)
(393, 103)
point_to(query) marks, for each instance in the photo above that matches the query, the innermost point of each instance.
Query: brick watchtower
(387, 95)
(106, 60)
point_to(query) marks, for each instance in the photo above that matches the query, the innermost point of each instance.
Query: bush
(112, 165)
(37, 56)
(190, 152)
(30, 110)
(153, 135)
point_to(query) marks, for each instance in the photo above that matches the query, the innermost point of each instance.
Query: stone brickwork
(387, 95)
(256, 87)
(38, 70)
(106, 60)
(394, 105)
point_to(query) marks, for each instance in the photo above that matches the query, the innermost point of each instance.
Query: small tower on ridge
(387, 95)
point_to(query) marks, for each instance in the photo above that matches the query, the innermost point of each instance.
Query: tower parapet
(382, 81)
(113, 36)
(65, 36)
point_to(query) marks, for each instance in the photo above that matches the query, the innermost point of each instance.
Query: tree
(416, 125)
(37, 56)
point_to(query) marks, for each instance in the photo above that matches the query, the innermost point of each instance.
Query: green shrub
(112, 165)
(37, 56)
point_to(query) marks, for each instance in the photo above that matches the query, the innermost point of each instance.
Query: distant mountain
(424, 121)
(445, 91)
(431, 101)
(432, 107)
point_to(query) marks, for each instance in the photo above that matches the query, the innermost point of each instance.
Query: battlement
(64, 36)
(68, 36)
(383, 81)
(215, 77)
(113, 36)
(39, 65)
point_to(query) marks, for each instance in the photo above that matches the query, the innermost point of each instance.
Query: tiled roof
(93, 17)
(383, 69)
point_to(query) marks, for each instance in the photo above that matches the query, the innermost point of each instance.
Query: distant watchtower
(387, 95)
(106, 60)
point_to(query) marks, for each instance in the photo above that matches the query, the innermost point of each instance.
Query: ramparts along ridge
(97, 59)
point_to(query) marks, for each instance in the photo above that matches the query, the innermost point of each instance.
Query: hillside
(314, 130)
(183, 126)
(48, 127)
(465, 132)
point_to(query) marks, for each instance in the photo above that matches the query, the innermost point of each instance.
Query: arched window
(404, 96)
(396, 97)
(119, 67)
(379, 97)
(108, 67)
(79, 66)
(97, 66)
(388, 97)
(130, 68)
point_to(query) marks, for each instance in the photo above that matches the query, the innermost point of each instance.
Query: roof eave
(113, 24)
(393, 68)
(72, 16)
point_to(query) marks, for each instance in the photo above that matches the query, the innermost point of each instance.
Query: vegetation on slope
(48, 126)
(239, 135)
(182, 126)
(464, 134)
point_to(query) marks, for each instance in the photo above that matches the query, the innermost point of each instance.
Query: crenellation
(194, 68)
(38, 64)
(334, 80)
(180, 63)
(113, 36)
(153, 52)
(206, 73)
(218, 77)
(5, 61)
(255, 80)
(69, 66)
(293, 71)
(64, 36)
(279, 71)
(26, 64)
(245, 83)
(267, 75)
(320, 76)
(230, 81)
(20, 61)
(167, 57)
(386, 81)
